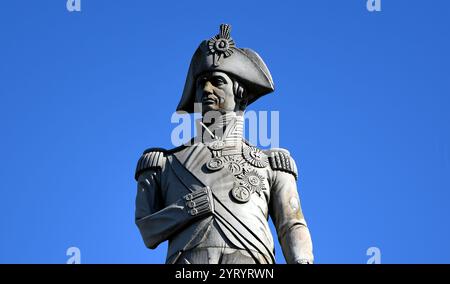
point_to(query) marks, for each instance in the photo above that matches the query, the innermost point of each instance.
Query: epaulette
(152, 158)
(281, 160)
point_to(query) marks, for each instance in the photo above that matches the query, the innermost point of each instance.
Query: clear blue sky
(364, 107)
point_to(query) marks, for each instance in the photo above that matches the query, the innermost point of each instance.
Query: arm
(157, 223)
(287, 215)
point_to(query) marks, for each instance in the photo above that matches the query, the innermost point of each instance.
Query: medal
(216, 145)
(242, 167)
(215, 164)
(234, 164)
(241, 193)
(234, 168)
(254, 181)
(255, 157)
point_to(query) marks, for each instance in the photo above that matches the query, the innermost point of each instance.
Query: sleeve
(286, 212)
(155, 221)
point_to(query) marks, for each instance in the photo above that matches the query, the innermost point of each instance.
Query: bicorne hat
(220, 54)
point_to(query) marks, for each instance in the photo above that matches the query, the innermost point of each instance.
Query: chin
(207, 108)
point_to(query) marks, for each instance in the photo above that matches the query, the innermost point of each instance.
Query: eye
(201, 81)
(217, 81)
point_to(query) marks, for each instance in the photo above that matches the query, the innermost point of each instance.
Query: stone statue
(211, 198)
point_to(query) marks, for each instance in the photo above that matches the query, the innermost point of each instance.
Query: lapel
(194, 159)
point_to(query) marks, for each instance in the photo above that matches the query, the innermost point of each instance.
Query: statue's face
(215, 92)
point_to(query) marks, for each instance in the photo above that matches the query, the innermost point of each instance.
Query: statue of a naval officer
(211, 198)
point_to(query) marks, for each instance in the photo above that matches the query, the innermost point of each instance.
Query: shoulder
(153, 159)
(281, 160)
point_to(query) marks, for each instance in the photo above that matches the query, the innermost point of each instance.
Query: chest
(239, 175)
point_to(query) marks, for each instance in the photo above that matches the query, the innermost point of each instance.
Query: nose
(208, 88)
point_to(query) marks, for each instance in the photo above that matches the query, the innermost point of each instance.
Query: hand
(200, 202)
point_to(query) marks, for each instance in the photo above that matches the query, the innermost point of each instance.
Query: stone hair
(239, 93)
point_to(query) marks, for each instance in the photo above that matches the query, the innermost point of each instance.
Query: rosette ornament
(222, 44)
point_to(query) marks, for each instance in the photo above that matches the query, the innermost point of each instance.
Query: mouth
(209, 100)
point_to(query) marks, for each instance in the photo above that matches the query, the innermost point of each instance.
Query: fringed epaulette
(281, 160)
(152, 158)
